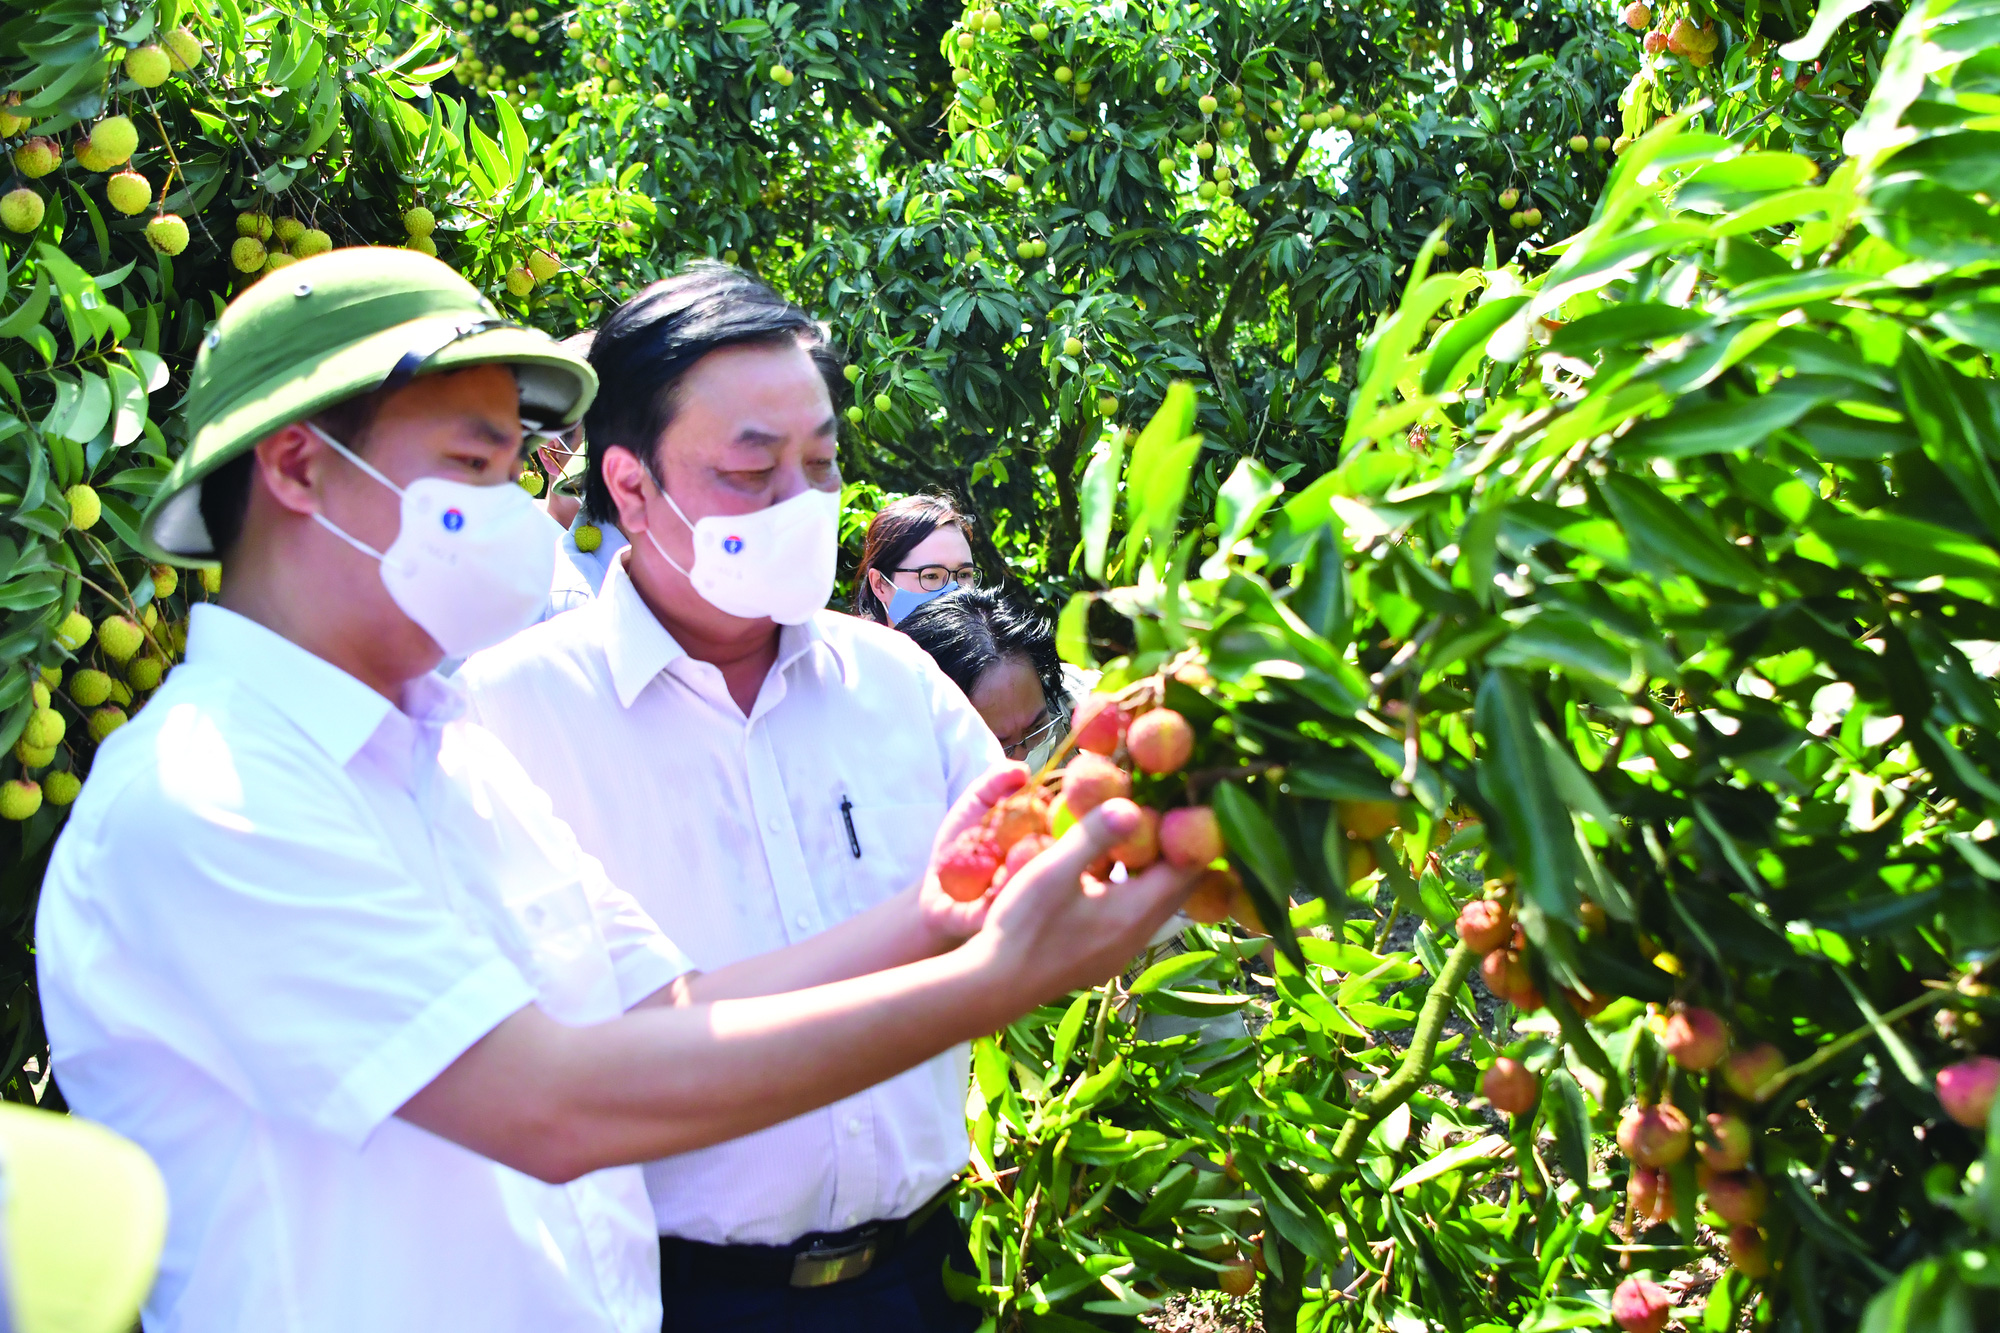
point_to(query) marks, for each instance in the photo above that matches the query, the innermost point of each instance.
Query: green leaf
(1099, 497)
(1162, 465)
(1569, 1119)
(1488, 1150)
(1534, 824)
(1825, 22)
(1908, 548)
(1169, 970)
(1667, 538)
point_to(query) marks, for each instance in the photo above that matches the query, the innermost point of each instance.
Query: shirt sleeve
(266, 933)
(642, 957)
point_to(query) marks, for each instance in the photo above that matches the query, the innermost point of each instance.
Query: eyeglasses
(1021, 748)
(932, 577)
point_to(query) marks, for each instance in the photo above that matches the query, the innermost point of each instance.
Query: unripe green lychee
(248, 254)
(11, 124)
(1579, 143)
(1038, 31)
(851, 373)
(519, 281)
(121, 693)
(34, 756)
(588, 538)
(1208, 105)
(1064, 74)
(89, 687)
(84, 507)
(21, 210)
(147, 66)
(120, 637)
(287, 229)
(19, 799)
(128, 192)
(211, 579)
(165, 579)
(44, 729)
(183, 48)
(74, 631)
(1072, 347)
(144, 673)
(854, 414)
(37, 157)
(253, 224)
(90, 159)
(167, 233)
(1601, 142)
(423, 245)
(115, 139)
(276, 260)
(883, 402)
(312, 241)
(531, 481)
(419, 221)
(543, 265)
(106, 720)
(51, 677)
(782, 76)
(38, 691)
(61, 787)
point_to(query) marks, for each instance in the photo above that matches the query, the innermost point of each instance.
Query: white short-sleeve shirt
(280, 908)
(741, 835)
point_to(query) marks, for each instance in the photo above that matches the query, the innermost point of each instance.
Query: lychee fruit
(165, 580)
(89, 687)
(144, 673)
(248, 254)
(1638, 16)
(1511, 1086)
(1654, 1135)
(1738, 1197)
(1651, 1194)
(74, 631)
(44, 729)
(19, 799)
(148, 66)
(287, 229)
(1696, 1039)
(1099, 724)
(1656, 42)
(1727, 1147)
(37, 157)
(419, 221)
(21, 210)
(11, 123)
(312, 241)
(129, 192)
(424, 245)
(120, 637)
(1966, 1089)
(543, 265)
(1504, 973)
(1190, 836)
(1508, 197)
(1750, 1073)
(1213, 897)
(1022, 852)
(167, 233)
(84, 507)
(1369, 820)
(1485, 925)
(1641, 1306)
(254, 224)
(60, 788)
(1747, 1252)
(1141, 846)
(114, 139)
(965, 870)
(588, 537)
(183, 48)
(1237, 1278)
(1160, 741)
(31, 757)
(519, 281)
(1090, 780)
(1022, 815)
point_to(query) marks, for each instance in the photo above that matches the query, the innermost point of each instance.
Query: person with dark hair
(755, 770)
(917, 549)
(1002, 653)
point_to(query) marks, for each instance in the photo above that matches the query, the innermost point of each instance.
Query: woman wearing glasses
(916, 550)
(1002, 653)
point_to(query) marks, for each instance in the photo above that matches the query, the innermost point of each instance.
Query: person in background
(916, 550)
(591, 541)
(1002, 653)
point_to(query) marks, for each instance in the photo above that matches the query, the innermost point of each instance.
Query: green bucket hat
(330, 328)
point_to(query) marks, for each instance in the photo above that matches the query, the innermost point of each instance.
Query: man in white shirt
(752, 772)
(318, 945)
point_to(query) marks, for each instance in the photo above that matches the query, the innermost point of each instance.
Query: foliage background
(891, 181)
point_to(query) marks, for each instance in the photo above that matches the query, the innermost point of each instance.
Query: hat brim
(555, 388)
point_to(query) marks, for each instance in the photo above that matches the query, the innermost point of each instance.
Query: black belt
(817, 1259)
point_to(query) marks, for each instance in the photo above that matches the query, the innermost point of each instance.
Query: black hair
(969, 632)
(651, 342)
(225, 492)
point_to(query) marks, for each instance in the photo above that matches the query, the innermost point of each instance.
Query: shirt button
(854, 1126)
(854, 1219)
(804, 921)
(774, 823)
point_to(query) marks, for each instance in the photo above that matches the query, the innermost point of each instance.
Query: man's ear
(288, 468)
(625, 478)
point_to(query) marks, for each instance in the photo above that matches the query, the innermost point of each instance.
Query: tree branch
(1392, 1092)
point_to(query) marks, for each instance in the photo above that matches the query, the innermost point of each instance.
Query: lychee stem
(1400, 1086)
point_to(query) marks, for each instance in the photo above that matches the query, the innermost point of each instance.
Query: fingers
(996, 786)
(1095, 834)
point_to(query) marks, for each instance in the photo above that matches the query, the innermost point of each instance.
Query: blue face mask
(904, 601)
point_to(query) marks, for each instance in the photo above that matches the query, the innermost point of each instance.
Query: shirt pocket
(895, 842)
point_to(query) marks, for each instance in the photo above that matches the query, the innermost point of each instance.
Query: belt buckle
(824, 1266)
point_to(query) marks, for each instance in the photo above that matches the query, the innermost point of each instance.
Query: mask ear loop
(648, 469)
(359, 462)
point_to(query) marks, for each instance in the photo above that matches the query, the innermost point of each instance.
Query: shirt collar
(334, 709)
(637, 647)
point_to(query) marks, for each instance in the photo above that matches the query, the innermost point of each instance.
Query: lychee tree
(1637, 655)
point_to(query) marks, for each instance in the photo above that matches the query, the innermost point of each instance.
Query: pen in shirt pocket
(847, 818)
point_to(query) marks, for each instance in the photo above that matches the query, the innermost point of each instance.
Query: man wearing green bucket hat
(319, 947)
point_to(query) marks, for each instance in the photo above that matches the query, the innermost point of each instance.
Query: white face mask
(776, 562)
(470, 564)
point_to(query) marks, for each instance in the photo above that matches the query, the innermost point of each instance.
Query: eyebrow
(486, 430)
